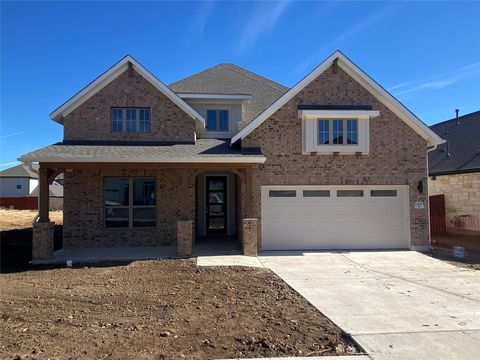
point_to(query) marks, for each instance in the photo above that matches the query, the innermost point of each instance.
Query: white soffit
(367, 82)
(110, 75)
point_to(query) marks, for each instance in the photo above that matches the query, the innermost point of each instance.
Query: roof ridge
(234, 67)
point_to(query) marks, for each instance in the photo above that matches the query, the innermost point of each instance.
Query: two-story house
(335, 162)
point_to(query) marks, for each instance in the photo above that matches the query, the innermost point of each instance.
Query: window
(130, 202)
(337, 132)
(316, 193)
(19, 184)
(131, 120)
(349, 193)
(282, 193)
(217, 120)
(383, 193)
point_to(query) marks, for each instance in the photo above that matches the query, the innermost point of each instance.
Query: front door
(216, 204)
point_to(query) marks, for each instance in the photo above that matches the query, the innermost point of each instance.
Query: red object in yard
(437, 215)
(20, 203)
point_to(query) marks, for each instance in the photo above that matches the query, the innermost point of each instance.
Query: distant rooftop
(461, 152)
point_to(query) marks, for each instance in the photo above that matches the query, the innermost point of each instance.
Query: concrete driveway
(395, 304)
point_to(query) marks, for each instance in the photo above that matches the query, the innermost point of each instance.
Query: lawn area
(168, 309)
(20, 219)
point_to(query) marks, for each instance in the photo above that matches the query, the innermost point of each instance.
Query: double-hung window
(131, 120)
(337, 132)
(130, 202)
(217, 120)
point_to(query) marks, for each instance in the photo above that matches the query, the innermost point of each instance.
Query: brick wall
(462, 195)
(84, 214)
(397, 152)
(92, 119)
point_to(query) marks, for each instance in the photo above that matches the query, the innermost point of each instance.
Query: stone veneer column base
(42, 240)
(184, 238)
(250, 229)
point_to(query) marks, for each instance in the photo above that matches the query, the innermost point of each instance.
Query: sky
(426, 53)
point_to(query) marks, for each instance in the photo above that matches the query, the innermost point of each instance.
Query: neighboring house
(335, 162)
(19, 188)
(454, 170)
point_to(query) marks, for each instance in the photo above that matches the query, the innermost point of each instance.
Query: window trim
(217, 120)
(130, 205)
(124, 120)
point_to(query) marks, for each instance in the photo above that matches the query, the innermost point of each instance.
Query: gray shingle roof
(233, 80)
(20, 171)
(206, 150)
(463, 145)
(55, 190)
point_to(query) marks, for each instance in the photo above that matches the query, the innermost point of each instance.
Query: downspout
(29, 164)
(428, 201)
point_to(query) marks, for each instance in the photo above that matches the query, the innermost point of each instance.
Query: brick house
(226, 155)
(454, 171)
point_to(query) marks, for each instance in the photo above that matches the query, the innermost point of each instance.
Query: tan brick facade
(42, 240)
(184, 238)
(84, 213)
(397, 153)
(92, 120)
(462, 197)
(250, 236)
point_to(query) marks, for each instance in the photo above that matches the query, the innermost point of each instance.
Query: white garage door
(334, 217)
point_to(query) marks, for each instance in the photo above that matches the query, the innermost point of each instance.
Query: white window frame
(137, 120)
(217, 111)
(310, 121)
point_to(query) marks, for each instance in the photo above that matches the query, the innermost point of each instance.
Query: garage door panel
(321, 222)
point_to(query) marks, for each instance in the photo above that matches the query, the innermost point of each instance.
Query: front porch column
(184, 238)
(43, 230)
(250, 231)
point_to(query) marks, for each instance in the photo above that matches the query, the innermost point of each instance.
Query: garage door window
(349, 193)
(282, 193)
(383, 193)
(316, 193)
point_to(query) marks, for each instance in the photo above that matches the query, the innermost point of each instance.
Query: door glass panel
(349, 193)
(383, 193)
(216, 210)
(216, 197)
(216, 223)
(215, 184)
(282, 193)
(316, 193)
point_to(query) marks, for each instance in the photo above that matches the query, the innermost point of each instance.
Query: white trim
(239, 97)
(110, 75)
(338, 114)
(217, 160)
(368, 83)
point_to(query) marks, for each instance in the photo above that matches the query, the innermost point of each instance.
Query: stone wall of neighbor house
(462, 198)
(397, 153)
(84, 212)
(92, 120)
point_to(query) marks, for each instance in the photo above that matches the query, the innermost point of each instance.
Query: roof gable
(363, 79)
(230, 79)
(20, 171)
(110, 75)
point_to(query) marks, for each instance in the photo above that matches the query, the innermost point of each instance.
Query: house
(19, 188)
(454, 171)
(335, 162)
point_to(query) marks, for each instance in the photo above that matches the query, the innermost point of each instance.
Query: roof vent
(456, 116)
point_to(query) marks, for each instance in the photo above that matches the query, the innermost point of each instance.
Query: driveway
(395, 304)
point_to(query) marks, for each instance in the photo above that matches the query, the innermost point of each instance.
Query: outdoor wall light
(420, 186)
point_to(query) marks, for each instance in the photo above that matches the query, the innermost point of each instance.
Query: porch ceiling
(204, 151)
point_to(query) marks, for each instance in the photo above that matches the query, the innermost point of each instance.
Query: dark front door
(216, 204)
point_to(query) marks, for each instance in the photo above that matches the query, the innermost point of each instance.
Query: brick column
(250, 229)
(184, 238)
(42, 240)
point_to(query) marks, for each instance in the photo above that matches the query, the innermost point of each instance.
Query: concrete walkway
(396, 305)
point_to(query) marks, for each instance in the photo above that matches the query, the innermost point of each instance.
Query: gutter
(433, 148)
(29, 165)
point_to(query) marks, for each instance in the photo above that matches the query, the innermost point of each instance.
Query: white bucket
(458, 252)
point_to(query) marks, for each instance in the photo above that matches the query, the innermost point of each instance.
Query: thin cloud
(264, 18)
(336, 43)
(435, 82)
(13, 134)
(199, 23)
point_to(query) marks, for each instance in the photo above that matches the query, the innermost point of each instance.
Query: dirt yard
(19, 219)
(168, 309)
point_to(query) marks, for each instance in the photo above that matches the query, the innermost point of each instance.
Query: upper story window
(328, 131)
(19, 184)
(217, 120)
(131, 120)
(337, 132)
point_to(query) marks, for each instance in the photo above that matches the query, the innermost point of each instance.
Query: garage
(335, 217)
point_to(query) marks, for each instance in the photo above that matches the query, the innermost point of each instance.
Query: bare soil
(169, 309)
(19, 219)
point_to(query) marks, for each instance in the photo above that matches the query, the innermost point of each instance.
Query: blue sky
(426, 53)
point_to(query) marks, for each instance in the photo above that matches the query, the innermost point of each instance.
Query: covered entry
(334, 217)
